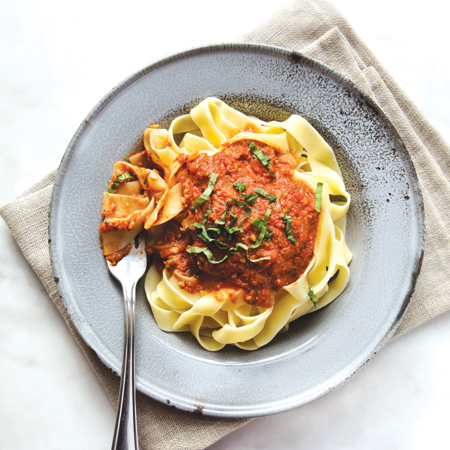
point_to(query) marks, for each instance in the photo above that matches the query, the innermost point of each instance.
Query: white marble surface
(57, 60)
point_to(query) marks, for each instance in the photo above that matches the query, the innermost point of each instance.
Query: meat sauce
(284, 259)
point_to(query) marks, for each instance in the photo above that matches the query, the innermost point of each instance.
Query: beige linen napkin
(315, 28)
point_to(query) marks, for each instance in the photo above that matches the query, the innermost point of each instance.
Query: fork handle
(125, 432)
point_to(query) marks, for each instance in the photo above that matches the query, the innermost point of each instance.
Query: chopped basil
(126, 176)
(205, 217)
(249, 198)
(224, 215)
(261, 225)
(288, 223)
(264, 193)
(233, 220)
(259, 154)
(239, 186)
(207, 253)
(318, 197)
(202, 233)
(215, 229)
(248, 211)
(231, 229)
(313, 297)
(238, 245)
(207, 192)
(245, 247)
(268, 235)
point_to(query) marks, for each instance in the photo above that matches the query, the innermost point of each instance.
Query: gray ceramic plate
(385, 232)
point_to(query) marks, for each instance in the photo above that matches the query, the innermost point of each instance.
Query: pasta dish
(244, 223)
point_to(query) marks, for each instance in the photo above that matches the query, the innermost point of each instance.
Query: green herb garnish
(233, 220)
(245, 247)
(264, 193)
(207, 192)
(231, 229)
(202, 233)
(224, 215)
(249, 198)
(205, 217)
(238, 245)
(288, 223)
(261, 225)
(248, 211)
(268, 235)
(313, 297)
(126, 176)
(239, 186)
(207, 253)
(259, 154)
(318, 197)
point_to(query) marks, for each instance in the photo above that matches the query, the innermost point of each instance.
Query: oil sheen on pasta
(280, 261)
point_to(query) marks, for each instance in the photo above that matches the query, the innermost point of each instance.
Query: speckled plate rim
(366, 357)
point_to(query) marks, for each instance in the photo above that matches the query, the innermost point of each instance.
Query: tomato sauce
(260, 270)
(115, 257)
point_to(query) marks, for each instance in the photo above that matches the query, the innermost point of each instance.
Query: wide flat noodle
(117, 239)
(209, 127)
(132, 206)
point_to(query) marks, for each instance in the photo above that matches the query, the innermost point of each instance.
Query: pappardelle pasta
(244, 222)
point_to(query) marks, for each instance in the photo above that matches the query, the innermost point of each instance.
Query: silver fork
(128, 271)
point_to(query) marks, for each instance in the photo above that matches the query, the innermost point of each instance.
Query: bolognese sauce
(247, 223)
